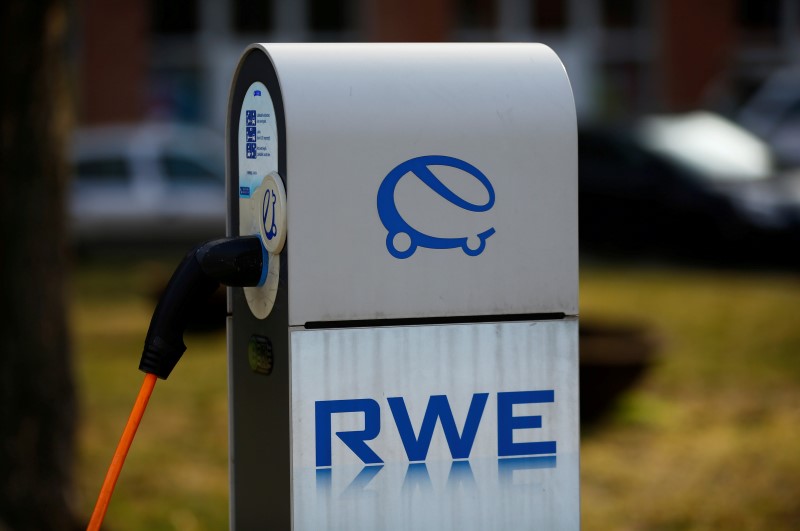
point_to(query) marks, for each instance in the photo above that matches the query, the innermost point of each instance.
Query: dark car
(635, 202)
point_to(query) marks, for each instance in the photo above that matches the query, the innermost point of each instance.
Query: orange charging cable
(122, 451)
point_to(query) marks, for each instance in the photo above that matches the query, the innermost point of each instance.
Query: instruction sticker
(258, 153)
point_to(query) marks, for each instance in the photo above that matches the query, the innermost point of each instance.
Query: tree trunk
(37, 399)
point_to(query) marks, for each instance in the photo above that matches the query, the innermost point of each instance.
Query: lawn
(708, 439)
(711, 438)
(176, 474)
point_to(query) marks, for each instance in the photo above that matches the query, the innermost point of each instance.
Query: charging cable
(122, 451)
(230, 261)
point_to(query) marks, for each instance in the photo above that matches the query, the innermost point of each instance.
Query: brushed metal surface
(416, 362)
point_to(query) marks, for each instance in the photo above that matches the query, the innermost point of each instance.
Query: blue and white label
(250, 148)
(258, 159)
(404, 237)
(258, 153)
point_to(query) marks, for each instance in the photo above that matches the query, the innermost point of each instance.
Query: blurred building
(175, 59)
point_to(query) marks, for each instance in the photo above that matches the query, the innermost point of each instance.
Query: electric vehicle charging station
(411, 359)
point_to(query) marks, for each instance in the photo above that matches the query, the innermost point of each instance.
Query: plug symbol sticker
(272, 220)
(403, 239)
(267, 208)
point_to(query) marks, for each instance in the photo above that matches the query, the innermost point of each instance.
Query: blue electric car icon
(408, 238)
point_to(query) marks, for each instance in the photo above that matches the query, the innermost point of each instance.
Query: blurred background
(689, 156)
(690, 114)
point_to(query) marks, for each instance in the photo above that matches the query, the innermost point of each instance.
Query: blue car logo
(401, 231)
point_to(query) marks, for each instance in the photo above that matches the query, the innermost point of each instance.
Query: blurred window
(182, 170)
(252, 17)
(622, 88)
(549, 15)
(476, 14)
(759, 14)
(175, 93)
(760, 21)
(620, 13)
(329, 16)
(174, 17)
(791, 115)
(105, 171)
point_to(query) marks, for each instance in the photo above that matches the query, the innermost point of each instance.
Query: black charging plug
(231, 261)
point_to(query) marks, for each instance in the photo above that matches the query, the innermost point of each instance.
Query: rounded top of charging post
(426, 180)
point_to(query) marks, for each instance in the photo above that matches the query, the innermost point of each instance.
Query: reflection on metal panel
(436, 427)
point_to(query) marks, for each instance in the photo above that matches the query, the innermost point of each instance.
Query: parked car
(773, 113)
(710, 145)
(637, 202)
(147, 183)
(730, 159)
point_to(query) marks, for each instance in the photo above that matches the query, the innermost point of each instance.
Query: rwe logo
(417, 443)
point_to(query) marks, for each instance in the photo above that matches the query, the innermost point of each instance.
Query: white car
(147, 183)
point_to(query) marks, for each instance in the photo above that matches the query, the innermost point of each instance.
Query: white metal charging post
(411, 361)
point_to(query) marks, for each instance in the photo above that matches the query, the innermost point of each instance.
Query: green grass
(176, 475)
(709, 439)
